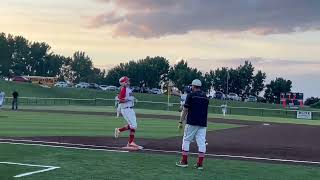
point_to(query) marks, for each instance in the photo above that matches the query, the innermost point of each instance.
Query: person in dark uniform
(15, 96)
(195, 111)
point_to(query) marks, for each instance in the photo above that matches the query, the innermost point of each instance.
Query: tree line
(19, 56)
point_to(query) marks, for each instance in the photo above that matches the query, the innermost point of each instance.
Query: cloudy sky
(280, 37)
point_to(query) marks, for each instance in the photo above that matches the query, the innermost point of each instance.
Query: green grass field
(46, 124)
(32, 90)
(174, 113)
(84, 164)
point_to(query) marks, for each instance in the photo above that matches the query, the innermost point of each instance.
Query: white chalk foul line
(242, 157)
(28, 142)
(61, 145)
(47, 168)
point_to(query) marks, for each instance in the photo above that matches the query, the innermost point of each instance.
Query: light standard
(227, 91)
(170, 85)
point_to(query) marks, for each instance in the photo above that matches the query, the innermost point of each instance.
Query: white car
(103, 87)
(111, 88)
(251, 99)
(61, 84)
(82, 85)
(155, 91)
(233, 96)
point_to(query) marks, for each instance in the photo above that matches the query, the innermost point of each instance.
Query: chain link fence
(247, 111)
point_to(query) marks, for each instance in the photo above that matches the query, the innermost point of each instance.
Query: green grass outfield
(45, 124)
(175, 113)
(94, 165)
(34, 90)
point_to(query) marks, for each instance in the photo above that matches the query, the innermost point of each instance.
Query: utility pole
(227, 91)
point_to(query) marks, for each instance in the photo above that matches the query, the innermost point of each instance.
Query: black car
(135, 89)
(219, 95)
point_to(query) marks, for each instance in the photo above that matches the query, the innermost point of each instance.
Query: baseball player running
(126, 100)
(195, 111)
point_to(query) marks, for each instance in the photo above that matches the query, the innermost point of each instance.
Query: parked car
(136, 89)
(93, 86)
(111, 88)
(61, 84)
(103, 87)
(261, 99)
(82, 85)
(233, 97)
(155, 91)
(251, 99)
(219, 95)
(21, 79)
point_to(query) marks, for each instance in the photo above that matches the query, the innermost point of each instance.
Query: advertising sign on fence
(304, 115)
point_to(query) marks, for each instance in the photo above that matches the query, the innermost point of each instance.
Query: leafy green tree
(82, 67)
(20, 56)
(245, 78)
(5, 56)
(219, 79)
(150, 70)
(182, 75)
(37, 60)
(275, 88)
(258, 83)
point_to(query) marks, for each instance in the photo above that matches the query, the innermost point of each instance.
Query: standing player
(196, 112)
(126, 100)
(183, 98)
(117, 106)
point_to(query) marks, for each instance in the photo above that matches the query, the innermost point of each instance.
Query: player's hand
(180, 125)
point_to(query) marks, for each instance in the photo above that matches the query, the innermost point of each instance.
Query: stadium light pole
(227, 91)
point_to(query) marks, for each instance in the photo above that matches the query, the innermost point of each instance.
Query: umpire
(195, 111)
(15, 96)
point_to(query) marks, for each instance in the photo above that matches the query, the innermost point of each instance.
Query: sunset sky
(280, 37)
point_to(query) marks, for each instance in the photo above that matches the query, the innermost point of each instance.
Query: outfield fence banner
(304, 115)
(172, 106)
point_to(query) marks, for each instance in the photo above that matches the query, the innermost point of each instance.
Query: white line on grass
(150, 150)
(64, 147)
(241, 157)
(47, 168)
(60, 143)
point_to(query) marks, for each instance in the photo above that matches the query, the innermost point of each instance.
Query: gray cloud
(156, 18)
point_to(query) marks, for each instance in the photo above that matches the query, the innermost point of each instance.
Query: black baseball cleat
(181, 164)
(197, 166)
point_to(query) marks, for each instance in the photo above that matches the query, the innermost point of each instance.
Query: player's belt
(127, 108)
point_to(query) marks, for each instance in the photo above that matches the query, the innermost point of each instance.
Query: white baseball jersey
(126, 100)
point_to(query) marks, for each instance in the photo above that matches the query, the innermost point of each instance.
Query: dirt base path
(274, 141)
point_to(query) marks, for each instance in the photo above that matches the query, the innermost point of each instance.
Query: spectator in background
(15, 96)
(2, 98)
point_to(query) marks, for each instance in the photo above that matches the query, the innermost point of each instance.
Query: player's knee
(133, 126)
(202, 147)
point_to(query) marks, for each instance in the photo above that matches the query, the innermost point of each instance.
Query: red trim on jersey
(122, 95)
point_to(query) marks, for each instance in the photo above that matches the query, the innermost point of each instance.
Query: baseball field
(76, 142)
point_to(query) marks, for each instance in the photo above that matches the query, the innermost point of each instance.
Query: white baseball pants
(194, 132)
(130, 116)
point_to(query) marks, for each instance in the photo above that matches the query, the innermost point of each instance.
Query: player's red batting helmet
(123, 80)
